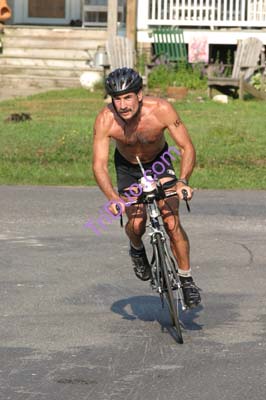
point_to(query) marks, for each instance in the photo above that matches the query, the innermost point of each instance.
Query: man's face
(127, 105)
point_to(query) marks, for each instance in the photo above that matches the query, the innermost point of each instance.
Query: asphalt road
(75, 323)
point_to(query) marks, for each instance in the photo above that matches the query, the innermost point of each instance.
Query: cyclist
(137, 123)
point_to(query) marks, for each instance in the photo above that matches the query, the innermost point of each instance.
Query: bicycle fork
(156, 279)
(178, 294)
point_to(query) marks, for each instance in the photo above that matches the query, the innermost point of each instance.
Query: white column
(73, 10)
(143, 14)
(18, 11)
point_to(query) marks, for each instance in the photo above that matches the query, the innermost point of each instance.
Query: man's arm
(101, 142)
(182, 139)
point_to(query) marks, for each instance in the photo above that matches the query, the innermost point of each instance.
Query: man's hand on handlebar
(184, 192)
(117, 208)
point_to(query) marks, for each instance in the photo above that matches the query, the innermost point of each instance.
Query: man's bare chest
(139, 134)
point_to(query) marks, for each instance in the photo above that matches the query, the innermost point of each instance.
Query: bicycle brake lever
(185, 194)
(121, 217)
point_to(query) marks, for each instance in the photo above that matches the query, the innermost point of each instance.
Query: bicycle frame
(156, 228)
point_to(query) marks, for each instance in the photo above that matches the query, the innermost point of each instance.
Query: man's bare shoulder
(161, 108)
(106, 114)
(105, 119)
(153, 101)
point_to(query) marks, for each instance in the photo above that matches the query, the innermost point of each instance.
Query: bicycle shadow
(149, 308)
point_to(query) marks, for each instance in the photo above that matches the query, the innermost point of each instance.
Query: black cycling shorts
(128, 173)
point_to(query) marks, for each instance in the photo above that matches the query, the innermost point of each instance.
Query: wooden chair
(249, 58)
(120, 52)
(169, 43)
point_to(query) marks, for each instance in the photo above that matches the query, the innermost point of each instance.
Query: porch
(206, 13)
(221, 21)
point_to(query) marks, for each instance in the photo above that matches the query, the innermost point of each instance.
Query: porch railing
(211, 13)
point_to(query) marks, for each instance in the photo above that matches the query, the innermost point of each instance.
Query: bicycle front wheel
(166, 271)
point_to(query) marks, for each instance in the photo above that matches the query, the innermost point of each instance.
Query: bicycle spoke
(172, 303)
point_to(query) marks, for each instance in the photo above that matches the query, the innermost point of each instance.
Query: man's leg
(136, 225)
(180, 248)
(135, 228)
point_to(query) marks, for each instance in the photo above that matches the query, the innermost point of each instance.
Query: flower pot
(155, 92)
(177, 92)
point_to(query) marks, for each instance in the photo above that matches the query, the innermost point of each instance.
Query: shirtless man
(137, 125)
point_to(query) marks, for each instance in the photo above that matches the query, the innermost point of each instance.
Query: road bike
(165, 279)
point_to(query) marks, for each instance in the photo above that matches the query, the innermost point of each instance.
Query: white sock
(184, 273)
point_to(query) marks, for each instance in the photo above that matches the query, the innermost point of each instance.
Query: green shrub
(142, 60)
(257, 81)
(166, 75)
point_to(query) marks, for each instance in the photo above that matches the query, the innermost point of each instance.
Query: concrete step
(47, 53)
(56, 32)
(43, 62)
(44, 72)
(34, 42)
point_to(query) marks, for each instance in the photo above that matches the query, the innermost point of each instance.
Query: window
(95, 12)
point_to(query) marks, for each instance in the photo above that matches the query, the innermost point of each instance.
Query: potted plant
(177, 92)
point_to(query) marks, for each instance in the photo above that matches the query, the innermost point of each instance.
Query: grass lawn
(54, 147)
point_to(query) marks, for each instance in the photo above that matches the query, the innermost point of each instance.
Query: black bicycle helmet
(123, 80)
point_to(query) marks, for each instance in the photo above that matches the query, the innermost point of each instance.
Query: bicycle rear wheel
(166, 271)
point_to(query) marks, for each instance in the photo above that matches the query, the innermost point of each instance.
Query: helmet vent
(122, 81)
